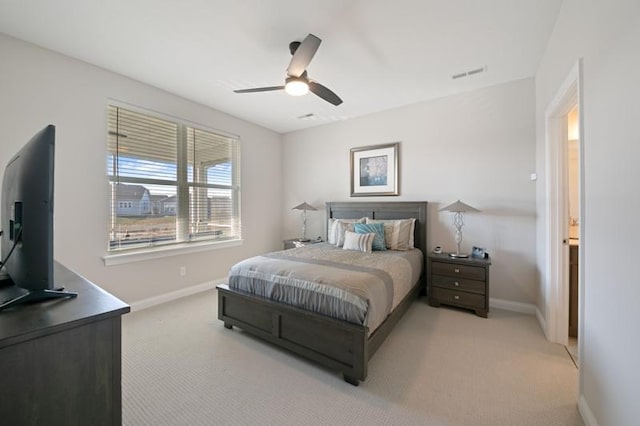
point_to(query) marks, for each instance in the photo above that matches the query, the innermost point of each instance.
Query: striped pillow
(374, 228)
(359, 242)
(337, 227)
(398, 234)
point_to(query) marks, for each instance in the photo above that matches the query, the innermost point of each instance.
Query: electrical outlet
(183, 271)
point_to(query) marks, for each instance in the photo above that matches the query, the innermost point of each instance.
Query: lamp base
(458, 255)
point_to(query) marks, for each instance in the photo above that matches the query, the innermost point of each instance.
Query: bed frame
(336, 344)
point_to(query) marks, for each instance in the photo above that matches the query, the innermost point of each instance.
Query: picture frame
(375, 170)
(479, 252)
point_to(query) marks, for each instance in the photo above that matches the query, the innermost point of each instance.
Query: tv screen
(27, 221)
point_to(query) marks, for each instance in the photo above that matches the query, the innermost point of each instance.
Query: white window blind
(169, 182)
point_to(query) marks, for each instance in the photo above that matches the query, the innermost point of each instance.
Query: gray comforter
(348, 285)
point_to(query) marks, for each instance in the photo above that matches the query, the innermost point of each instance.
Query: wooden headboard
(384, 210)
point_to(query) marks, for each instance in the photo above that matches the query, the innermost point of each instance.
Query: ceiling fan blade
(259, 89)
(303, 55)
(324, 93)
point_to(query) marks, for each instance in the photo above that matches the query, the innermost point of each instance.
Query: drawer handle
(456, 270)
(456, 297)
(456, 283)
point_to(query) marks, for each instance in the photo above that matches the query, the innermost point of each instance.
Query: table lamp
(458, 209)
(304, 207)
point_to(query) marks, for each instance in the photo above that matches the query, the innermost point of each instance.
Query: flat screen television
(27, 222)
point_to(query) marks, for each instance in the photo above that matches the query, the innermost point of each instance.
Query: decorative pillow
(359, 242)
(374, 228)
(337, 227)
(398, 234)
(330, 237)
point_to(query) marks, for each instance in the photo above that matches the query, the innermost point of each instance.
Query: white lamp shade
(458, 207)
(296, 87)
(304, 206)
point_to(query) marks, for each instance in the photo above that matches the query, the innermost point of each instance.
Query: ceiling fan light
(296, 87)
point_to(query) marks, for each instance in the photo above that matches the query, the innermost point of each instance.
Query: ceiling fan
(297, 83)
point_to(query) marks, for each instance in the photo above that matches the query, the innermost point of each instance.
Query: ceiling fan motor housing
(293, 46)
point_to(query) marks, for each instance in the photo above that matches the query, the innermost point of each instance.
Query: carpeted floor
(440, 366)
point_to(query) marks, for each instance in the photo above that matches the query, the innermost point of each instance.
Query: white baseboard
(509, 305)
(174, 295)
(587, 415)
(543, 323)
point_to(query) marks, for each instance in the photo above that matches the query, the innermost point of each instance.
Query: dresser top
(31, 320)
(444, 257)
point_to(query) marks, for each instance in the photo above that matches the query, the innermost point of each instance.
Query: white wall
(607, 36)
(38, 87)
(478, 147)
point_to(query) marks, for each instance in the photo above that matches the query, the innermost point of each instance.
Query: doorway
(573, 188)
(564, 215)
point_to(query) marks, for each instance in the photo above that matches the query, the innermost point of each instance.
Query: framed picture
(374, 170)
(479, 252)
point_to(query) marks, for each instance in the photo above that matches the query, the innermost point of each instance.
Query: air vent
(306, 116)
(469, 73)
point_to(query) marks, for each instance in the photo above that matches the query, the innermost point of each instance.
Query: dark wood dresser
(461, 282)
(60, 360)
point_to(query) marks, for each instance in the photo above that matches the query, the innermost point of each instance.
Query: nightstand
(461, 282)
(295, 242)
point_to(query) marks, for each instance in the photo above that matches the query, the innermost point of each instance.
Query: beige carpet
(440, 366)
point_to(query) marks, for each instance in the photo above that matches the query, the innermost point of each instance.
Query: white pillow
(337, 227)
(359, 242)
(398, 233)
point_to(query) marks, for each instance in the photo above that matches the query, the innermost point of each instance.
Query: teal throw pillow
(374, 228)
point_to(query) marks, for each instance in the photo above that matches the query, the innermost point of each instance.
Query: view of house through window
(169, 182)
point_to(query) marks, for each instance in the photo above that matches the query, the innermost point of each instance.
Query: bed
(339, 344)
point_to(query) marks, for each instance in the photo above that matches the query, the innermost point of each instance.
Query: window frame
(185, 241)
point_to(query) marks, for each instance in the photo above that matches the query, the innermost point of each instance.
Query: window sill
(166, 251)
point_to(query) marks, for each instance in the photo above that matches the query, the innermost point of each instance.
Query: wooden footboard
(336, 344)
(339, 345)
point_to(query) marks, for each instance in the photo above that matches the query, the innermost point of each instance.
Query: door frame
(557, 230)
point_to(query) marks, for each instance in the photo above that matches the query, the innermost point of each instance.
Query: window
(169, 182)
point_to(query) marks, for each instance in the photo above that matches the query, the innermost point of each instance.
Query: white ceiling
(375, 54)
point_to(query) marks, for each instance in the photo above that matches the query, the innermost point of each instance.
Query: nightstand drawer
(457, 270)
(454, 283)
(459, 298)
